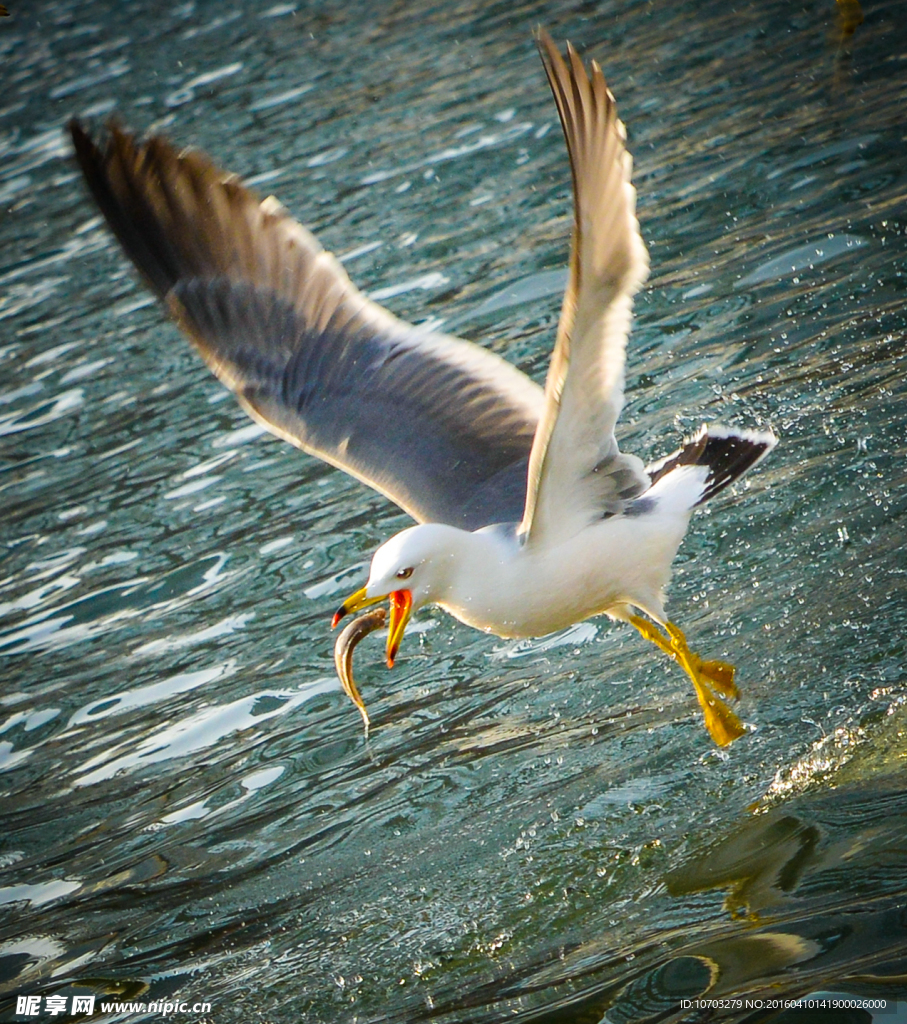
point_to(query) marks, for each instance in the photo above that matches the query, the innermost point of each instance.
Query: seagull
(529, 516)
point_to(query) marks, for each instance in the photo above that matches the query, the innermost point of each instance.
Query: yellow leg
(720, 674)
(723, 725)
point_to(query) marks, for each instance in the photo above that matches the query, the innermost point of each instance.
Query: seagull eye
(404, 574)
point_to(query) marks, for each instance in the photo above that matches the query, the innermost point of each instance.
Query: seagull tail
(726, 453)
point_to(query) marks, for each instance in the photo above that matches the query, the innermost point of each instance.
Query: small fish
(4, 13)
(347, 642)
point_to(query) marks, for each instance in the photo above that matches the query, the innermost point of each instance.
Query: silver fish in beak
(347, 642)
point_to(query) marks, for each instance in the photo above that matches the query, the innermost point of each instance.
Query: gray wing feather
(440, 426)
(576, 470)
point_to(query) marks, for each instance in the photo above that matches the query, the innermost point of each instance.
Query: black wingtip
(81, 140)
(126, 177)
(727, 453)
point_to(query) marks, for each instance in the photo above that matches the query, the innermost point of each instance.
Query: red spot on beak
(401, 608)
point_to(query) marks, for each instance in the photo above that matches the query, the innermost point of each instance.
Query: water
(539, 831)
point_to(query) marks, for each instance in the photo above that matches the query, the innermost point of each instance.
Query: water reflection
(803, 257)
(534, 831)
(99, 610)
(818, 888)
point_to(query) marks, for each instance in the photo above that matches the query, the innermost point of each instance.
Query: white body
(492, 581)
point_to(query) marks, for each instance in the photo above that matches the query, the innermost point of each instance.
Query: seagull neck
(478, 564)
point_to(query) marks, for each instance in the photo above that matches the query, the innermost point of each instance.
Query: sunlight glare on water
(538, 830)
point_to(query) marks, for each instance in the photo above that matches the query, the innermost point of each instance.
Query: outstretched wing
(576, 471)
(440, 426)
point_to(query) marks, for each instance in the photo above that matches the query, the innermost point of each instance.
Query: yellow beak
(401, 602)
(354, 603)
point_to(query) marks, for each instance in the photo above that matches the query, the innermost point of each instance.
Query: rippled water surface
(537, 831)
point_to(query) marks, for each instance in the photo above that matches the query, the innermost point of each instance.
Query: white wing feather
(576, 470)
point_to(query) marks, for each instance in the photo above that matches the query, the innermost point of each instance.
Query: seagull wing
(440, 426)
(577, 473)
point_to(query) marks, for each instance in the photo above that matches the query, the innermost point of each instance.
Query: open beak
(401, 609)
(354, 603)
(401, 602)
